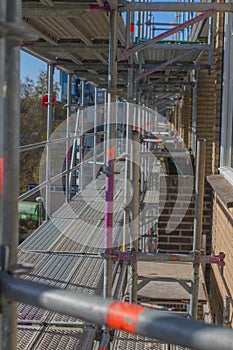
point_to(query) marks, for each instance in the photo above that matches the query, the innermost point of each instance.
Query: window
(226, 150)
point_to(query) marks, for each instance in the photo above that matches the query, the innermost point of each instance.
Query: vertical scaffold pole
(129, 111)
(2, 131)
(134, 225)
(48, 149)
(10, 13)
(226, 322)
(194, 114)
(197, 239)
(105, 123)
(68, 115)
(110, 154)
(95, 134)
(82, 140)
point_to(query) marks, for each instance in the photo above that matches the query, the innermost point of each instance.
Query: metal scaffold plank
(167, 33)
(65, 339)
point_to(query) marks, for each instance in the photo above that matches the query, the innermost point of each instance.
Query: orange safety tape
(110, 152)
(123, 316)
(1, 175)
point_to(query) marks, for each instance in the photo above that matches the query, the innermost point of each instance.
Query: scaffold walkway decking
(66, 252)
(59, 251)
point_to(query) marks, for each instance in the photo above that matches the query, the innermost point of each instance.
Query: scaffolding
(115, 254)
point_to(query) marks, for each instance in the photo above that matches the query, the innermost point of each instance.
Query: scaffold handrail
(56, 177)
(119, 315)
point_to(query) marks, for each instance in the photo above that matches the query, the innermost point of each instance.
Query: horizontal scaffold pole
(205, 259)
(176, 6)
(166, 34)
(131, 318)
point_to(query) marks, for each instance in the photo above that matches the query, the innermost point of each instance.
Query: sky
(31, 67)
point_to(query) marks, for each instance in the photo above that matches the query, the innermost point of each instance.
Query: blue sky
(32, 67)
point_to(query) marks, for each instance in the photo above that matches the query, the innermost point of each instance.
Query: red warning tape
(123, 316)
(1, 175)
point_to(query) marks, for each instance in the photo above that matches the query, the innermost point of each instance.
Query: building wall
(218, 214)
(176, 235)
(222, 241)
(187, 118)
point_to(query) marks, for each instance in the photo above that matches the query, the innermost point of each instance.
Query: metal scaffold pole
(2, 79)
(128, 138)
(68, 116)
(82, 141)
(134, 225)
(115, 314)
(10, 162)
(95, 134)
(48, 149)
(197, 239)
(110, 155)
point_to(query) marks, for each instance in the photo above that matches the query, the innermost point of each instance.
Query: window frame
(226, 160)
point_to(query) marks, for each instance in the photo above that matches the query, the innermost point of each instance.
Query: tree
(33, 126)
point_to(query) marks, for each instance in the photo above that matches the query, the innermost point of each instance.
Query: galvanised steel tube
(55, 178)
(48, 150)
(171, 6)
(68, 115)
(197, 237)
(10, 186)
(74, 149)
(134, 225)
(2, 130)
(205, 259)
(2, 80)
(44, 143)
(110, 154)
(127, 179)
(95, 136)
(128, 138)
(131, 318)
(82, 141)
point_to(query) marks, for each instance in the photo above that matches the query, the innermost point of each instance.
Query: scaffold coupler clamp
(18, 269)
(217, 259)
(196, 256)
(123, 256)
(107, 171)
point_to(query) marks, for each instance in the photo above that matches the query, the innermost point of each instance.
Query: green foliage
(33, 126)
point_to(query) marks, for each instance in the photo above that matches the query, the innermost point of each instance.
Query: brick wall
(222, 240)
(187, 118)
(177, 236)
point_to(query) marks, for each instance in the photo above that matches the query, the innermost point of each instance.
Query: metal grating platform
(26, 336)
(59, 250)
(61, 339)
(125, 341)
